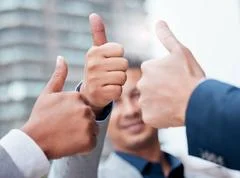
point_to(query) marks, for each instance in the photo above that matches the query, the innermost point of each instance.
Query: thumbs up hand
(167, 84)
(61, 123)
(105, 68)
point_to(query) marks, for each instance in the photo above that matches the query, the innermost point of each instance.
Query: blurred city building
(34, 32)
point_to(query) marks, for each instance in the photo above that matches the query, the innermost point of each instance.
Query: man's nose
(130, 108)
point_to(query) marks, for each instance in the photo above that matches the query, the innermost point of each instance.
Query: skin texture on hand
(61, 123)
(167, 84)
(105, 68)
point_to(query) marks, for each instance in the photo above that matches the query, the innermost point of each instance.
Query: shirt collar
(173, 161)
(140, 163)
(136, 161)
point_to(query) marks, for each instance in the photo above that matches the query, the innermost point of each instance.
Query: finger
(97, 29)
(115, 78)
(58, 78)
(110, 50)
(115, 64)
(112, 91)
(166, 36)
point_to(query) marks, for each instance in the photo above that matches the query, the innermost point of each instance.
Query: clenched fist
(61, 123)
(105, 68)
(167, 84)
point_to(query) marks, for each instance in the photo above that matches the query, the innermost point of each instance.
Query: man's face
(126, 128)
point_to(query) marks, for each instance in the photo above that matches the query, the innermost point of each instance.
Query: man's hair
(134, 61)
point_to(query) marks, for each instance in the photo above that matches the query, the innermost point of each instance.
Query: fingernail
(162, 23)
(59, 61)
(92, 15)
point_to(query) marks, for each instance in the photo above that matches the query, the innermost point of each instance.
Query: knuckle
(91, 80)
(91, 52)
(123, 77)
(121, 49)
(93, 91)
(125, 64)
(118, 48)
(83, 109)
(92, 65)
(113, 44)
(87, 111)
(117, 92)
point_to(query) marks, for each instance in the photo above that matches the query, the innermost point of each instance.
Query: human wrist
(97, 108)
(36, 136)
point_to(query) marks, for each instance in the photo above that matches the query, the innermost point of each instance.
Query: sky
(211, 29)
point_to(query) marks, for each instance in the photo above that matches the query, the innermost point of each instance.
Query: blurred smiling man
(137, 148)
(137, 151)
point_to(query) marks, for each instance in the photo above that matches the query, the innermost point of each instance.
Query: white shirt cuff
(26, 154)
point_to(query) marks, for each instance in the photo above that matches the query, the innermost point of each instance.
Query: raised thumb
(97, 29)
(56, 82)
(166, 36)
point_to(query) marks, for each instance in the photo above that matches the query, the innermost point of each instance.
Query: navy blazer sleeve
(213, 123)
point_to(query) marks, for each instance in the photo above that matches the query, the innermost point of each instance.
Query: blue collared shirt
(154, 170)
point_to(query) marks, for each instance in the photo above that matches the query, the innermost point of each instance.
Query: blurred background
(34, 32)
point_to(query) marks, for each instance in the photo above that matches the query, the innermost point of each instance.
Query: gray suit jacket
(75, 167)
(116, 167)
(8, 169)
(81, 166)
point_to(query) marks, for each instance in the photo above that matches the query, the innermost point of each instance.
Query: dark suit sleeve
(213, 123)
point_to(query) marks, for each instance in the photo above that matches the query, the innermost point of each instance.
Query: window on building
(12, 4)
(72, 23)
(22, 35)
(73, 56)
(21, 17)
(75, 40)
(20, 52)
(75, 7)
